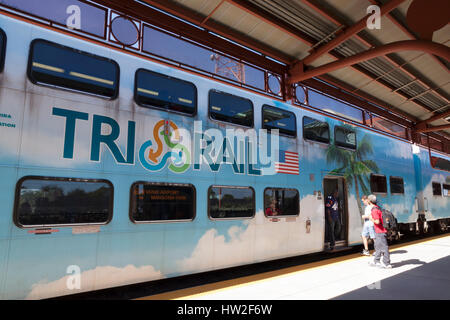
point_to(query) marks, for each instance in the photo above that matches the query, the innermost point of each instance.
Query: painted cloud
(100, 277)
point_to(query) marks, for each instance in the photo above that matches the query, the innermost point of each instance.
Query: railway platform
(420, 271)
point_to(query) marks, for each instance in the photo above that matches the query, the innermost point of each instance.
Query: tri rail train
(99, 190)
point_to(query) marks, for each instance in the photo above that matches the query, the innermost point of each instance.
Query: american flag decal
(288, 163)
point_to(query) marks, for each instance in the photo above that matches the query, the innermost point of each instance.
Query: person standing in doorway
(332, 216)
(368, 229)
(381, 244)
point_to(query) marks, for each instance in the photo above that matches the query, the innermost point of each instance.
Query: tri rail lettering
(247, 152)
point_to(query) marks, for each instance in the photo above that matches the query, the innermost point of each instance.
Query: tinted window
(345, 137)
(229, 108)
(60, 66)
(388, 126)
(437, 191)
(93, 19)
(173, 47)
(2, 49)
(333, 106)
(157, 90)
(440, 163)
(281, 202)
(397, 185)
(162, 202)
(231, 202)
(446, 189)
(274, 118)
(378, 183)
(59, 201)
(316, 130)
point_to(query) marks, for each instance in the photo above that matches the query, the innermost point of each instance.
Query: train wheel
(442, 226)
(420, 228)
(431, 229)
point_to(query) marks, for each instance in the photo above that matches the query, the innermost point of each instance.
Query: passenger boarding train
(98, 191)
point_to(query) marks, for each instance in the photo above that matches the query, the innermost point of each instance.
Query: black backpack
(389, 221)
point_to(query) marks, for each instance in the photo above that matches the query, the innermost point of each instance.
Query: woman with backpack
(381, 244)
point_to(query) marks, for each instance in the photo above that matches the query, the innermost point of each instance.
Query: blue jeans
(334, 228)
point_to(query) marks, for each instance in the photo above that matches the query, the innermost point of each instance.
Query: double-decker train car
(116, 169)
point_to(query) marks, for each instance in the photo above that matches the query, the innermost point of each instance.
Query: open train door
(330, 185)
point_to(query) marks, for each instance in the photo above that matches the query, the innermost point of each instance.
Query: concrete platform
(421, 270)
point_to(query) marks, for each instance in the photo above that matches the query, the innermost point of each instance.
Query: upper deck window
(157, 90)
(345, 137)
(62, 201)
(316, 130)
(2, 49)
(275, 118)
(334, 106)
(440, 163)
(93, 17)
(60, 66)
(229, 108)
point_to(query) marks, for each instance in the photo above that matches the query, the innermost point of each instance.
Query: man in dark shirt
(332, 217)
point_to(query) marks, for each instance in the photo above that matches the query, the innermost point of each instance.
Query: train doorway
(336, 188)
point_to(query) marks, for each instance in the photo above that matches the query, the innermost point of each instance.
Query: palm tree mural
(353, 165)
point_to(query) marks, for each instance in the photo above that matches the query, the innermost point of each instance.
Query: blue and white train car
(101, 185)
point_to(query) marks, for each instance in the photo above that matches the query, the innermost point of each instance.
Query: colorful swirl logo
(179, 155)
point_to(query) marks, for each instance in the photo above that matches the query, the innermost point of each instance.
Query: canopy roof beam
(414, 45)
(348, 33)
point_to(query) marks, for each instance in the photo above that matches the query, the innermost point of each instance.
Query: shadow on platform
(398, 252)
(426, 282)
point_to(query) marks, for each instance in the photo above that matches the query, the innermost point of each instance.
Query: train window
(43, 201)
(440, 163)
(56, 65)
(275, 118)
(446, 190)
(281, 202)
(229, 108)
(345, 137)
(2, 49)
(316, 130)
(231, 202)
(437, 190)
(157, 90)
(378, 183)
(397, 185)
(58, 12)
(156, 202)
(332, 105)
